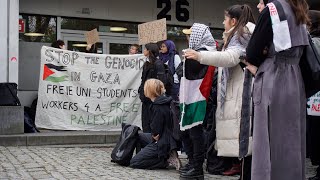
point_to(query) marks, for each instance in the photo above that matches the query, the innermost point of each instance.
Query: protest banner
(152, 32)
(314, 105)
(82, 91)
(92, 36)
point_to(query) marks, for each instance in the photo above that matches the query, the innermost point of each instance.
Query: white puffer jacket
(228, 122)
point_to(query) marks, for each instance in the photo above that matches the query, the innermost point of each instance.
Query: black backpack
(123, 151)
(164, 74)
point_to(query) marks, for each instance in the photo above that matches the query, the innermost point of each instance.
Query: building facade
(41, 22)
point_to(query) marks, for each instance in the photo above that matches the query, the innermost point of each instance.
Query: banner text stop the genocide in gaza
(88, 91)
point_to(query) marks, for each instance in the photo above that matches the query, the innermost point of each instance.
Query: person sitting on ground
(161, 150)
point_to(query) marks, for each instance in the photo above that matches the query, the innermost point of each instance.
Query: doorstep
(47, 137)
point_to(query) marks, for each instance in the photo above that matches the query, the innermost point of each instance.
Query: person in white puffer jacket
(233, 121)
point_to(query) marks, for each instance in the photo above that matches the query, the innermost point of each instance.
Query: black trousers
(146, 117)
(148, 158)
(193, 141)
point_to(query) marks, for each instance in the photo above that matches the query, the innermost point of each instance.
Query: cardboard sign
(92, 36)
(84, 91)
(314, 105)
(152, 32)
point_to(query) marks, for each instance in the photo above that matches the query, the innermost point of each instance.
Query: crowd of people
(259, 125)
(257, 101)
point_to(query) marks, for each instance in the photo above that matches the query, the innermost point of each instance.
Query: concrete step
(60, 138)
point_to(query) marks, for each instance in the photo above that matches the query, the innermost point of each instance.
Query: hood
(162, 100)
(201, 37)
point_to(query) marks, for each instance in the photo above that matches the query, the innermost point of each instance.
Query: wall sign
(21, 26)
(181, 11)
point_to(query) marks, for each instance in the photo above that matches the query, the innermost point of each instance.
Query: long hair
(300, 10)
(153, 49)
(243, 14)
(315, 23)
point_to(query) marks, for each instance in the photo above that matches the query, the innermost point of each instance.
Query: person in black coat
(162, 145)
(150, 70)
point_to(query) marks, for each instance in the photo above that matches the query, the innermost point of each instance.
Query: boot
(314, 178)
(192, 174)
(235, 170)
(185, 168)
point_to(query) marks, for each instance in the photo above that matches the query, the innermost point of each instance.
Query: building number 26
(182, 13)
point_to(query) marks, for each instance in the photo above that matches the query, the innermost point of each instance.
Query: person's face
(229, 23)
(163, 48)
(62, 47)
(261, 6)
(133, 50)
(146, 52)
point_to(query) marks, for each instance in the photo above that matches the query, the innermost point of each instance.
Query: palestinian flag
(195, 90)
(54, 73)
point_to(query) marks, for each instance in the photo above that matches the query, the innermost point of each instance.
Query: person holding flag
(194, 91)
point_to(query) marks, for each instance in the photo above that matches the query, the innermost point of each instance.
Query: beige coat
(228, 122)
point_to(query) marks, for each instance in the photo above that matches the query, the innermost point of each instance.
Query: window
(39, 28)
(101, 25)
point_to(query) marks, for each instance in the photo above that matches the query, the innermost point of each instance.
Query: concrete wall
(9, 58)
(209, 12)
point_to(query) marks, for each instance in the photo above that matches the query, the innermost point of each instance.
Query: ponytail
(243, 14)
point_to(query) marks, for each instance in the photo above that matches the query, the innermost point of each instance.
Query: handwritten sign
(152, 32)
(81, 91)
(92, 36)
(314, 105)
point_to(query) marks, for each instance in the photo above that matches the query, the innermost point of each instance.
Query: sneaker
(173, 160)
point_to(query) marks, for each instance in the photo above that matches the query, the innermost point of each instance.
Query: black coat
(162, 124)
(149, 71)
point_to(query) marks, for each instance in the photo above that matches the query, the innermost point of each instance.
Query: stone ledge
(59, 138)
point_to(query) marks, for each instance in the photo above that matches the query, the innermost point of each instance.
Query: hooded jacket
(162, 124)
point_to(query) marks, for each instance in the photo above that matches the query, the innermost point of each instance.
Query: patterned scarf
(225, 73)
(201, 37)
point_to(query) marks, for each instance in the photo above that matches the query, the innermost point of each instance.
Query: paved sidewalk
(77, 163)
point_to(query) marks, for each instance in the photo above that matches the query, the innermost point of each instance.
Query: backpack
(123, 151)
(8, 94)
(164, 74)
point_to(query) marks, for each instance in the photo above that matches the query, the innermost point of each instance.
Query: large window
(101, 25)
(38, 28)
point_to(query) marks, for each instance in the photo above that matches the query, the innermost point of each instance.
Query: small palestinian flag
(54, 73)
(195, 90)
